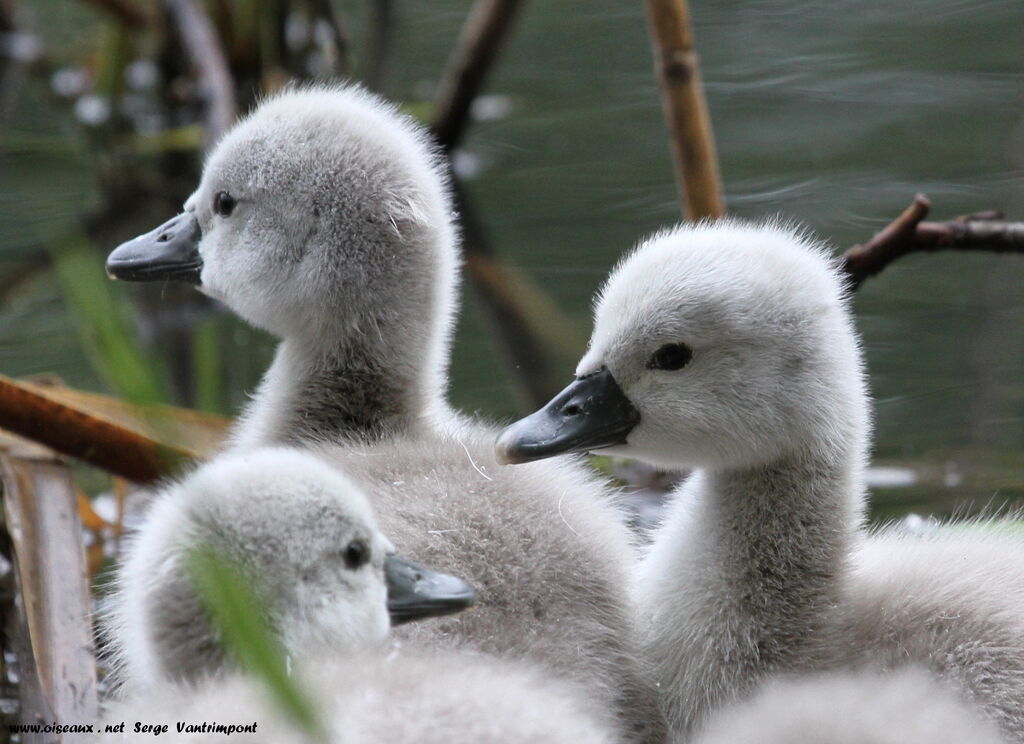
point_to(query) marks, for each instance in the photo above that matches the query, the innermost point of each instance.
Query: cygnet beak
(415, 592)
(170, 252)
(591, 413)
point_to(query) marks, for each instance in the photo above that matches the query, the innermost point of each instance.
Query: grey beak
(170, 252)
(415, 592)
(591, 413)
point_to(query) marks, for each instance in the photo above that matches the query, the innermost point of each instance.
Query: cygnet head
(306, 533)
(722, 344)
(323, 214)
(303, 532)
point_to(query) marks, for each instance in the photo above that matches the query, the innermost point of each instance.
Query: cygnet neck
(762, 552)
(784, 530)
(322, 391)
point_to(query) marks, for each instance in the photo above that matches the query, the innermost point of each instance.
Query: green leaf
(103, 323)
(207, 373)
(235, 607)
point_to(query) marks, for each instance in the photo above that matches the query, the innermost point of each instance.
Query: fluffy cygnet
(301, 531)
(729, 348)
(324, 217)
(906, 707)
(402, 698)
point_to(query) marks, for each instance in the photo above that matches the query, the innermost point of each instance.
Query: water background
(833, 114)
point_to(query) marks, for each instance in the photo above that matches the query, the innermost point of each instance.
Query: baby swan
(407, 697)
(324, 217)
(305, 534)
(729, 348)
(905, 707)
(307, 537)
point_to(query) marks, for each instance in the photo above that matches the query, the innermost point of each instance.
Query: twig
(512, 308)
(482, 36)
(200, 41)
(686, 111)
(141, 445)
(55, 639)
(909, 233)
(501, 294)
(123, 10)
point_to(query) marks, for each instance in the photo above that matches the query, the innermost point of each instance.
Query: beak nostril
(164, 238)
(572, 410)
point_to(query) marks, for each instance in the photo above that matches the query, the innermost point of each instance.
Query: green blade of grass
(207, 372)
(234, 606)
(103, 325)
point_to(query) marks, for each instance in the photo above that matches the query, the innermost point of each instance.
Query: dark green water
(833, 114)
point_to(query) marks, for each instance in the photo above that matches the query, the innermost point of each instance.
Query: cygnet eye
(223, 204)
(356, 554)
(670, 357)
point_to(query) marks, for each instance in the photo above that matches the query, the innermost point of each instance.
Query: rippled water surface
(833, 114)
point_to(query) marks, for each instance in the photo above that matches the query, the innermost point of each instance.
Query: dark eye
(670, 357)
(356, 553)
(223, 203)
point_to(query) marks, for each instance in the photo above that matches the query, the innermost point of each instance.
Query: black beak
(415, 592)
(591, 413)
(170, 252)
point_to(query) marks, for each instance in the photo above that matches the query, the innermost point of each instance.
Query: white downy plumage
(340, 242)
(905, 707)
(730, 349)
(292, 521)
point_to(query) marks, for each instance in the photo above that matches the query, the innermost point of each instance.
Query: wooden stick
(525, 324)
(685, 109)
(141, 445)
(909, 233)
(501, 293)
(485, 31)
(55, 643)
(200, 40)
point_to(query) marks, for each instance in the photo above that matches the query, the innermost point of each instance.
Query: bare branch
(909, 233)
(686, 110)
(511, 303)
(200, 40)
(526, 325)
(482, 36)
(139, 444)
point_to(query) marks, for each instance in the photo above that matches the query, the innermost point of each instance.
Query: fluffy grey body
(341, 244)
(906, 707)
(288, 519)
(402, 698)
(527, 538)
(762, 564)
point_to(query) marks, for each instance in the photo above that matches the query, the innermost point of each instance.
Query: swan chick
(298, 528)
(906, 707)
(372, 698)
(325, 218)
(729, 348)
